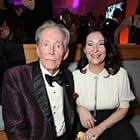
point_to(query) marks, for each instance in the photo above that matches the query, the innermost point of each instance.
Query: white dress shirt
(111, 91)
(55, 94)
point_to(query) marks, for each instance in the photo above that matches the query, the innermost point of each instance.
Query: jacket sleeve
(14, 119)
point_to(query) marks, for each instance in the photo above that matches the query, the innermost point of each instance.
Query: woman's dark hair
(112, 62)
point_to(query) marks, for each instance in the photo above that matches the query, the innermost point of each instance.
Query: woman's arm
(118, 115)
(86, 118)
(96, 131)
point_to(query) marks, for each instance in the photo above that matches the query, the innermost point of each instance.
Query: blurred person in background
(34, 13)
(133, 25)
(12, 28)
(8, 8)
(111, 24)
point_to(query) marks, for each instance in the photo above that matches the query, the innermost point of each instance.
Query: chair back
(30, 53)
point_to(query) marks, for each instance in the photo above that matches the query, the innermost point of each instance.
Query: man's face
(51, 49)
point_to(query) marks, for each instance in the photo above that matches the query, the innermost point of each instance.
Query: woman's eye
(46, 45)
(101, 45)
(89, 44)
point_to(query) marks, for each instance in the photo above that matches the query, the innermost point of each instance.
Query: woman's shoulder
(122, 71)
(77, 74)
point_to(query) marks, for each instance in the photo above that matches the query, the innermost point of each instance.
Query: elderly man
(38, 98)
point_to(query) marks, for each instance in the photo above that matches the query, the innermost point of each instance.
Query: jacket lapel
(41, 92)
(68, 101)
(43, 100)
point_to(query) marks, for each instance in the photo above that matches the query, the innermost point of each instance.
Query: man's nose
(51, 50)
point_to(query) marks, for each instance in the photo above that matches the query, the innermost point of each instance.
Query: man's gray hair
(51, 24)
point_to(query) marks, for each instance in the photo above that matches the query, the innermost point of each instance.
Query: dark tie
(57, 78)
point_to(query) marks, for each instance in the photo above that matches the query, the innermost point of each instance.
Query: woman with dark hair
(104, 91)
(111, 56)
(12, 29)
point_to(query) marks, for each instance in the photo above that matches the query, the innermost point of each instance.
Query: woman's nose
(95, 48)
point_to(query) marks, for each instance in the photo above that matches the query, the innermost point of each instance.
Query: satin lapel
(41, 92)
(68, 104)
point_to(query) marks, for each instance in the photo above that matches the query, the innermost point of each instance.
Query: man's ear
(66, 54)
(37, 51)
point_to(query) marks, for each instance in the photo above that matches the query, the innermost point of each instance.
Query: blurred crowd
(19, 24)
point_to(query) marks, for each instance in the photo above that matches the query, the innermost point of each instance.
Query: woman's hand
(95, 132)
(86, 118)
(85, 137)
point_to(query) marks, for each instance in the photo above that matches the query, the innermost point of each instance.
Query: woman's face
(95, 49)
(5, 31)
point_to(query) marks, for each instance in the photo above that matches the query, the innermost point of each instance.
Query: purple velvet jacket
(26, 107)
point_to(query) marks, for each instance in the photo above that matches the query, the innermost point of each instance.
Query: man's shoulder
(68, 76)
(67, 71)
(20, 68)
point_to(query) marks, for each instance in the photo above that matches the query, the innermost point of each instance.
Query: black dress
(120, 131)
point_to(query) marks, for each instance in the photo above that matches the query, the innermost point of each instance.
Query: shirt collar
(45, 71)
(104, 73)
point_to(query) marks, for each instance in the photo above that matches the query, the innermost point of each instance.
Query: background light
(76, 3)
